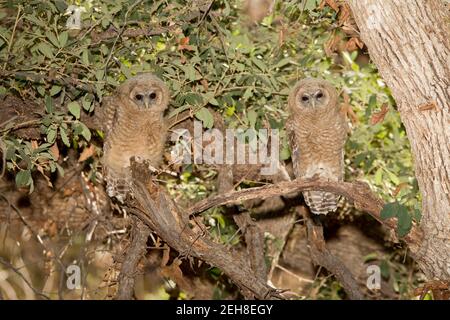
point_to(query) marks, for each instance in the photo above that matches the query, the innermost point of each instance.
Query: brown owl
(317, 131)
(134, 126)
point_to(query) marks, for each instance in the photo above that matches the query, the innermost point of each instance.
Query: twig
(119, 35)
(12, 37)
(39, 78)
(10, 266)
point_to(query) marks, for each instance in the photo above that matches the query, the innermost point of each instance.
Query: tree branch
(320, 255)
(358, 192)
(135, 252)
(155, 208)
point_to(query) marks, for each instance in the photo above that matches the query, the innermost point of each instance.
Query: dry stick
(359, 192)
(135, 252)
(321, 256)
(16, 270)
(12, 37)
(155, 207)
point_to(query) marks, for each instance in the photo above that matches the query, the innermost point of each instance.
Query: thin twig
(19, 8)
(119, 35)
(10, 266)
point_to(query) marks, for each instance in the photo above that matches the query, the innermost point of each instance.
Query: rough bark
(134, 254)
(409, 43)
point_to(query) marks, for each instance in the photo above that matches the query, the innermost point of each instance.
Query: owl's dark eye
(139, 97)
(152, 96)
(305, 98)
(319, 95)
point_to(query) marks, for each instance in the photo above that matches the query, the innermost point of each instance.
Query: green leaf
(49, 104)
(85, 58)
(85, 132)
(64, 137)
(35, 20)
(99, 74)
(205, 116)
(417, 215)
(55, 90)
(390, 210)
(60, 169)
(378, 178)
(23, 178)
(404, 219)
(370, 257)
(51, 36)
(252, 116)
(259, 63)
(46, 50)
(193, 98)
(63, 37)
(385, 269)
(404, 223)
(86, 102)
(10, 153)
(372, 102)
(248, 93)
(61, 5)
(285, 153)
(51, 135)
(394, 179)
(74, 109)
(190, 73)
(46, 120)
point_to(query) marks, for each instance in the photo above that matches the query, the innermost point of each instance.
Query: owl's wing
(295, 151)
(105, 114)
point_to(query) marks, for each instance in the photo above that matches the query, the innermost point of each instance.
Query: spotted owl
(134, 126)
(317, 131)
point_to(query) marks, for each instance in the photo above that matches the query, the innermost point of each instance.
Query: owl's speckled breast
(140, 136)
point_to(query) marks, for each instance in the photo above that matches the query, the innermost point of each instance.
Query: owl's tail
(320, 202)
(118, 188)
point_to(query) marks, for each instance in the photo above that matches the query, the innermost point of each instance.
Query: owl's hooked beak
(313, 102)
(146, 103)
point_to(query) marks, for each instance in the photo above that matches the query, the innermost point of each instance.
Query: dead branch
(358, 192)
(135, 252)
(320, 255)
(155, 207)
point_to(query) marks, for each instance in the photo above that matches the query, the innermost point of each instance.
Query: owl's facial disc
(313, 98)
(147, 99)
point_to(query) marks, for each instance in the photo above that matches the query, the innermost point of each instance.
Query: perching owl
(134, 126)
(317, 132)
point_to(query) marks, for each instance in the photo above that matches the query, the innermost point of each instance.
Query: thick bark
(409, 43)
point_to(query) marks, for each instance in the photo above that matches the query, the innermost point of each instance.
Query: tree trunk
(409, 42)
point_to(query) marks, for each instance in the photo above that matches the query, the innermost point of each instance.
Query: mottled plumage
(317, 132)
(134, 125)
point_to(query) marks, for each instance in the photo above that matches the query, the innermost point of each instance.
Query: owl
(317, 131)
(134, 125)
